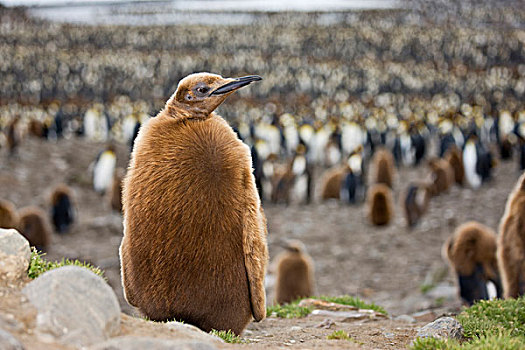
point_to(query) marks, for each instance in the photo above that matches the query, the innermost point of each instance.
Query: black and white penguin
(303, 181)
(353, 188)
(103, 169)
(477, 161)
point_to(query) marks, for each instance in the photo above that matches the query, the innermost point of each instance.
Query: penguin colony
(194, 245)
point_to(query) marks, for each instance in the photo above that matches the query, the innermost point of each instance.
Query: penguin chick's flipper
(255, 247)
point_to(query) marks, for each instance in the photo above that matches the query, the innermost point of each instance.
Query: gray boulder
(149, 343)
(442, 328)
(15, 254)
(74, 306)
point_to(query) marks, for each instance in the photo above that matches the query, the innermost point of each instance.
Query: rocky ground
(387, 266)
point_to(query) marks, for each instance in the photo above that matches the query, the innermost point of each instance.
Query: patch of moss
(292, 310)
(488, 324)
(353, 301)
(227, 336)
(38, 265)
(339, 335)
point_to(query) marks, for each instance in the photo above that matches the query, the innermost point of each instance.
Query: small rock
(150, 343)
(389, 335)
(349, 316)
(424, 316)
(74, 306)
(295, 328)
(405, 318)
(325, 305)
(326, 324)
(442, 328)
(15, 254)
(192, 332)
(8, 342)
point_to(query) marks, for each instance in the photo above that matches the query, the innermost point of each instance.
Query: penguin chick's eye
(202, 90)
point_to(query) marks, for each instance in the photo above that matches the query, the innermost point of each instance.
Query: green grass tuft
(488, 324)
(353, 301)
(339, 335)
(497, 341)
(292, 310)
(490, 317)
(227, 336)
(38, 265)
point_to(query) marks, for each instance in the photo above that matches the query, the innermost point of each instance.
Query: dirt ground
(386, 265)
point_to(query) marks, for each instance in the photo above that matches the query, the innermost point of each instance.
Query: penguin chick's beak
(235, 84)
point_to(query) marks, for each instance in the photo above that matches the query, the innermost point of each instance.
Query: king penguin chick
(115, 193)
(511, 243)
(35, 227)
(415, 202)
(194, 245)
(295, 273)
(471, 252)
(383, 167)
(103, 170)
(8, 215)
(62, 212)
(380, 208)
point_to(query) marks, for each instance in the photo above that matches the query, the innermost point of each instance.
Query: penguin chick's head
(199, 94)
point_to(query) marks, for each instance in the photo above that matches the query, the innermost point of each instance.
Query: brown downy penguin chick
(115, 193)
(380, 209)
(471, 252)
(442, 175)
(13, 136)
(511, 243)
(35, 227)
(194, 245)
(415, 202)
(331, 182)
(383, 167)
(8, 215)
(62, 208)
(295, 273)
(455, 159)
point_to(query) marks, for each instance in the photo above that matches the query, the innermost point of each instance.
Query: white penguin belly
(103, 172)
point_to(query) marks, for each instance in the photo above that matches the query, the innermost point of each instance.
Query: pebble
(74, 306)
(405, 318)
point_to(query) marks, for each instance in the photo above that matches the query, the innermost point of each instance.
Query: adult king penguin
(194, 245)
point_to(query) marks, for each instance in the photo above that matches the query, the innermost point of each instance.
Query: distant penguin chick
(62, 209)
(104, 169)
(415, 202)
(471, 252)
(295, 274)
(331, 182)
(383, 167)
(35, 227)
(455, 160)
(115, 193)
(194, 245)
(380, 208)
(511, 243)
(442, 175)
(8, 216)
